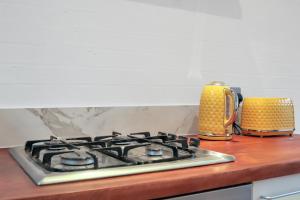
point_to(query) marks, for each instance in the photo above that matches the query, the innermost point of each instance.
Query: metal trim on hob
(42, 177)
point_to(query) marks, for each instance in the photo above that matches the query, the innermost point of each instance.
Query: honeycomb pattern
(211, 110)
(267, 114)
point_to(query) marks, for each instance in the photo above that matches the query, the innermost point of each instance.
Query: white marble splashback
(19, 125)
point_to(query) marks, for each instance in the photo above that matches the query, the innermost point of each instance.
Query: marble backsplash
(19, 125)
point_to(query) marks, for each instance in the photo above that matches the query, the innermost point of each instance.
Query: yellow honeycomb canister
(267, 116)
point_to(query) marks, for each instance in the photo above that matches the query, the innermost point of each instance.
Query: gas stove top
(58, 160)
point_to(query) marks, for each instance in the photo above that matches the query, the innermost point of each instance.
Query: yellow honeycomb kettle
(217, 111)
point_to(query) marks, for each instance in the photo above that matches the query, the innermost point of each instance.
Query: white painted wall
(57, 53)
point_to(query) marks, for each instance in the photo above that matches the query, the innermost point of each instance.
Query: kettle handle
(234, 106)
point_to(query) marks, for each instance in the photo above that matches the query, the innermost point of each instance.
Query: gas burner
(76, 158)
(154, 151)
(53, 142)
(52, 145)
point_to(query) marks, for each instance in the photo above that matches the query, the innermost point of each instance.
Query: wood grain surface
(256, 159)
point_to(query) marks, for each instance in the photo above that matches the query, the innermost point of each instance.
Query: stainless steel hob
(57, 160)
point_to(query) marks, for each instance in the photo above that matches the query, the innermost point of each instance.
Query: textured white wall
(56, 53)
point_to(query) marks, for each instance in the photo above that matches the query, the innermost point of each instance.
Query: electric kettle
(217, 111)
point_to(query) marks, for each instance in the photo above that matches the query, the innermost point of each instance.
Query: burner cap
(54, 142)
(154, 151)
(122, 143)
(76, 159)
(56, 148)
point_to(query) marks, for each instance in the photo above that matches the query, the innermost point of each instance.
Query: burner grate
(84, 153)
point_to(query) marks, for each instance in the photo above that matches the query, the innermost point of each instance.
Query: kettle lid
(217, 83)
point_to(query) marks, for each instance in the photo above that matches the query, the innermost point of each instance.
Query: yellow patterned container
(268, 116)
(216, 112)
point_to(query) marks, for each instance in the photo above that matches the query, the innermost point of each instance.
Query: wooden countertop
(256, 159)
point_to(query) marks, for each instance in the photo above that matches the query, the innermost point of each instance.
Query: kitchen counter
(256, 159)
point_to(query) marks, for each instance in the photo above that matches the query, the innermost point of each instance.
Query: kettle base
(216, 138)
